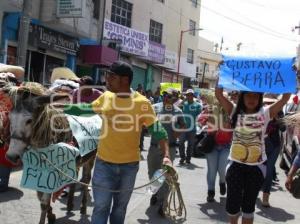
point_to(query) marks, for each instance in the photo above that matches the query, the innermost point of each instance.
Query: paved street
(21, 205)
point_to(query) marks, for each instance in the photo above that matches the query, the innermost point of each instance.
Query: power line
(254, 22)
(249, 26)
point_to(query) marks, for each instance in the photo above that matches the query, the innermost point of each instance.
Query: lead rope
(175, 206)
(171, 180)
(99, 187)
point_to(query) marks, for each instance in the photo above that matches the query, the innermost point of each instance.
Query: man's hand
(167, 161)
(288, 182)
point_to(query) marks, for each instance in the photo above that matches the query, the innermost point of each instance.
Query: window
(192, 27)
(190, 56)
(96, 13)
(194, 3)
(121, 12)
(155, 31)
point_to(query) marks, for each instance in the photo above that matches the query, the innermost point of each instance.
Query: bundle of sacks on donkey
(8, 74)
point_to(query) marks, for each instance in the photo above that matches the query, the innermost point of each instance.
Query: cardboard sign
(166, 85)
(86, 131)
(40, 175)
(271, 75)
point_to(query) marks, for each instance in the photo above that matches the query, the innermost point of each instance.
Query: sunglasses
(167, 96)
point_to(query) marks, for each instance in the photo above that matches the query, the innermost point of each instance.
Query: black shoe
(210, 196)
(161, 211)
(153, 200)
(222, 188)
(181, 161)
(188, 161)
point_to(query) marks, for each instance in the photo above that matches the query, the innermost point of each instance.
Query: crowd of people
(243, 125)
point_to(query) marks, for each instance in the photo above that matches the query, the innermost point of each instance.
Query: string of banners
(271, 75)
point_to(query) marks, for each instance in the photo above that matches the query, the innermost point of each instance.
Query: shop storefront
(50, 49)
(46, 50)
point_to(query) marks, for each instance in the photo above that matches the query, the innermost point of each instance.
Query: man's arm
(159, 133)
(79, 109)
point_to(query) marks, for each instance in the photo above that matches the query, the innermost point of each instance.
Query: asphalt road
(19, 205)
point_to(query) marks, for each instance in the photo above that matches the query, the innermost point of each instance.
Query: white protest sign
(40, 175)
(86, 131)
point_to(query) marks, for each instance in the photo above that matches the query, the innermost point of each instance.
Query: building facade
(207, 62)
(144, 33)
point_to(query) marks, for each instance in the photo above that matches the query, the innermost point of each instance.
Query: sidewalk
(21, 205)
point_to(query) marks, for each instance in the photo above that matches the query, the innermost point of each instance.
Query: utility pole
(23, 33)
(298, 50)
(203, 75)
(101, 20)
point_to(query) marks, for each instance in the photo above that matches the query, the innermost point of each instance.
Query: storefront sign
(170, 60)
(70, 8)
(133, 41)
(156, 53)
(43, 37)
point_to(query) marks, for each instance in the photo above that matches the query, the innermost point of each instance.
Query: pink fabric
(85, 99)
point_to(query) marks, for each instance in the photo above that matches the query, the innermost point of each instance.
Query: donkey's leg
(44, 199)
(50, 216)
(86, 173)
(70, 204)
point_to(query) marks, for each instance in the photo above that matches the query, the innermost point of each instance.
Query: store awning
(98, 55)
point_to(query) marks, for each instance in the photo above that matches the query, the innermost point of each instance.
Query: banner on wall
(272, 75)
(132, 41)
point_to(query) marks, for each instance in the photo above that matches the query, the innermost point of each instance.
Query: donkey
(30, 126)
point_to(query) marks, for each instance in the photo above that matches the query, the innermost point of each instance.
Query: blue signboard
(272, 75)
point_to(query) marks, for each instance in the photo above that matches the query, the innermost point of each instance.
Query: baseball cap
(190, 91)
(121, 68)
(168, 91)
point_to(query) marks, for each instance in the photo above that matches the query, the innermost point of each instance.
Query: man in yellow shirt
(123, 112)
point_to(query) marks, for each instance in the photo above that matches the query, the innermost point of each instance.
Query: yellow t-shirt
(122, 124)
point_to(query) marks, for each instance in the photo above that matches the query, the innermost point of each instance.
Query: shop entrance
(41, 67)
(36, 67)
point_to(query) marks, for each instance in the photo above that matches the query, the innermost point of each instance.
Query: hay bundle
(50, 126)
(292, 120)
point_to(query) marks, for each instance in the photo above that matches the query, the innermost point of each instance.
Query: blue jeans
(216, 162)
(115, 177)
(188, 136)
(272, 155)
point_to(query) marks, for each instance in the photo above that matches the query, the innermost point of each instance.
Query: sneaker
(153, 200)
(222, 188)
(188, 161)
(210, 196)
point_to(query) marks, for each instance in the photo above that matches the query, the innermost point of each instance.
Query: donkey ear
(43, 100)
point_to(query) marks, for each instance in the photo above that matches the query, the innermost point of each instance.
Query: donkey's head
(23, 119)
